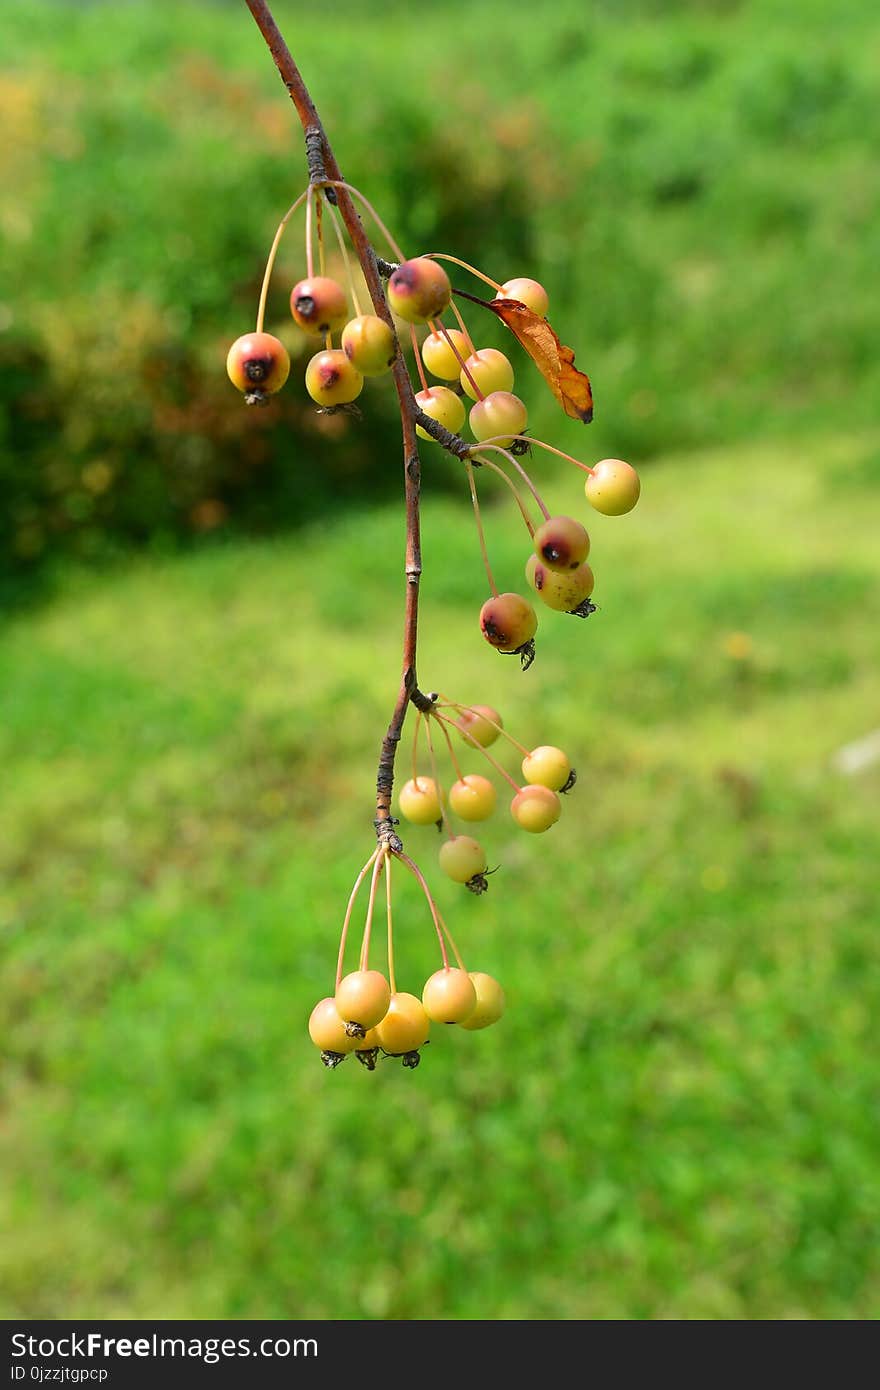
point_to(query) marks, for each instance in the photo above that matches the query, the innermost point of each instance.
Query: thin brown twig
(324, 168)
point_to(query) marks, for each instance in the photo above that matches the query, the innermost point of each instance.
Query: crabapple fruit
(405, 1026)
(419, 800)
(528, 292)
(508, 621)
(327, 1029)
(438, 356)
(491, 371)
(613, 487)
(369, 344)
(535, 808)
(462, 858)
(442, 405)
(482, 723)
(318, 304)
(560, 591)
(562, 543)
(472, 798)
(449, 996)
(362, 1000)
(490, 1002)
(331, 379)
(419, 290)
(500, 416)
(546, 767)
(259, 362)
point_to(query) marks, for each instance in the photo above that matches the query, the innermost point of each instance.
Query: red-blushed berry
(508, 621)
(500, 417)
(547, 766)
(462, 858)
(491, 371)
(362, 1000)
(405, 1027)
(419, 290)
(563, 592)
(490, 1002)
(528, 292)
(420, 801)
(535, 808)
(449, 996)
(613, 487)
(442, 405)
(369, 344)
(331, 379)
(479, 722)
(318, 304)
(439, 357)
(258, 363)
(327, 1032)
(472, 798)
(562, 543)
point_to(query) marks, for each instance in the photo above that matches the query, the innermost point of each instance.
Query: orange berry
(449, 996)
(362, 1000)
(327, 1031)
(405, 1026)
(258, 362)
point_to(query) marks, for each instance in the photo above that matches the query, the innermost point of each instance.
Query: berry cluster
(423, 800)
(366, 1014)
(420, 293)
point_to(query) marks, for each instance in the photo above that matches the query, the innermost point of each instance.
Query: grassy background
(677, 1117)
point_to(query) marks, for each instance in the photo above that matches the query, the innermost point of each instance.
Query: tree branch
(323, 168)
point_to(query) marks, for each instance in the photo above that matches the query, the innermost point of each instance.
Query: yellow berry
(490, 1002)
(369, 344)
(535, 809)
(547, 767)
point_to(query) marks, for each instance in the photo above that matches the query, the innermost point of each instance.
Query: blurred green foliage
(694, 182)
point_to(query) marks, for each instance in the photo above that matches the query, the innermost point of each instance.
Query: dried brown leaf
(553, 359)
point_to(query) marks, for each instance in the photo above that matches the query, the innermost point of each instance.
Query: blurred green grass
(677, 1116)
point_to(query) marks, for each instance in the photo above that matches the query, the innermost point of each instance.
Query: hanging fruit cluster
(458, 381)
